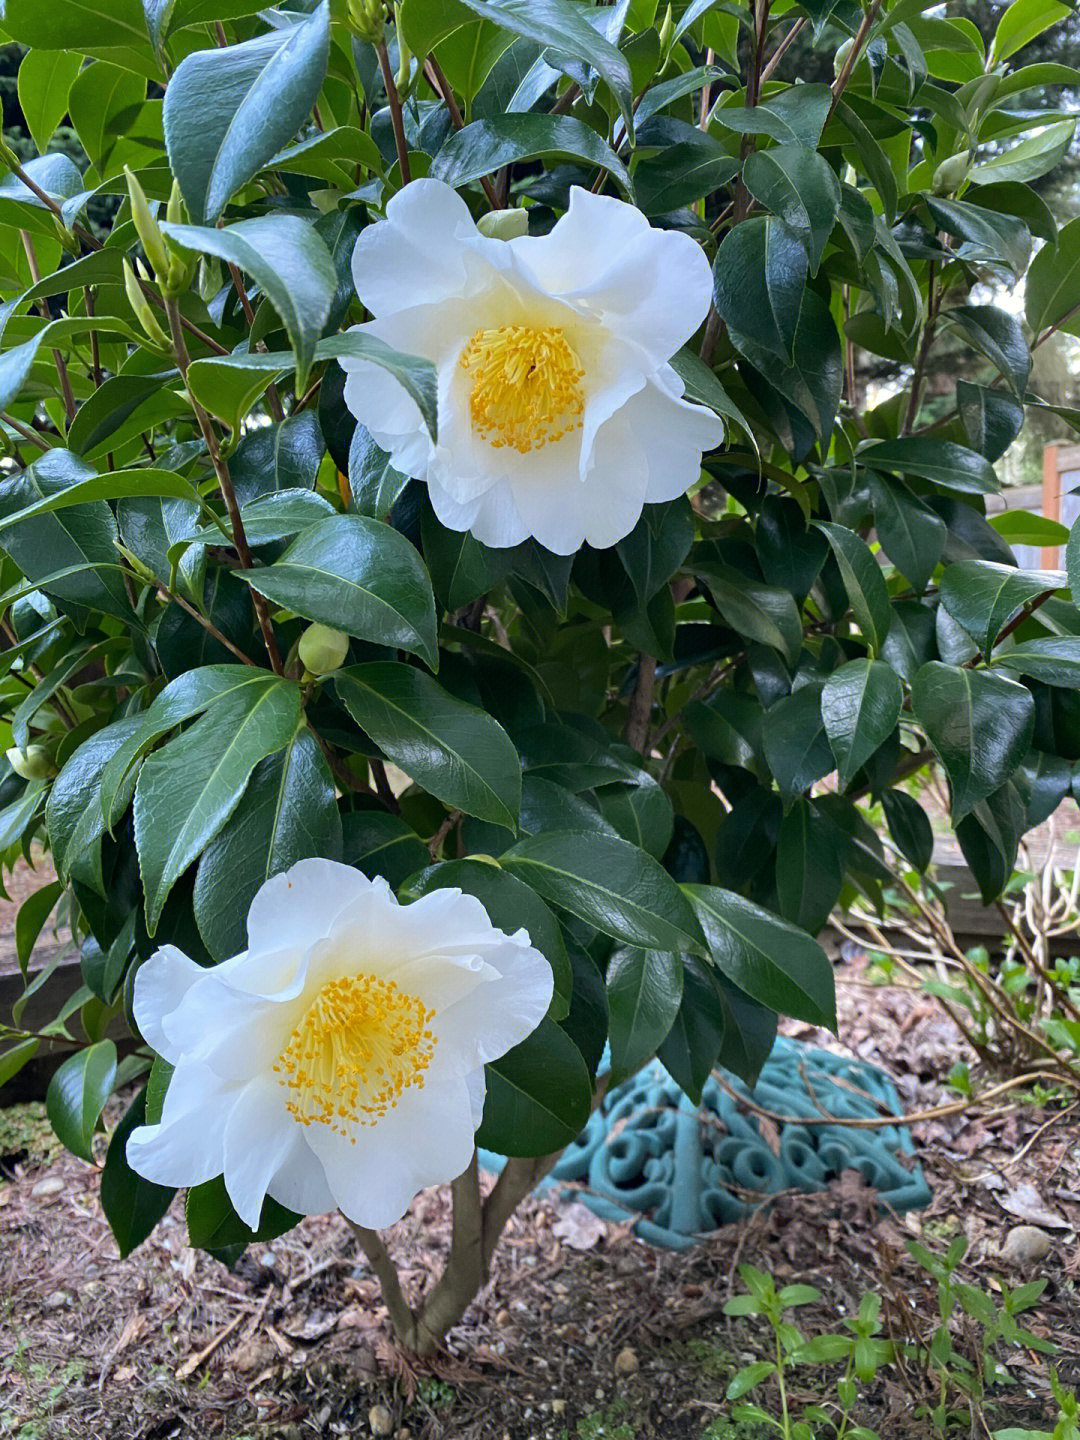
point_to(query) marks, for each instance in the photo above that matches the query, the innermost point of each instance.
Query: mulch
(583, 1332)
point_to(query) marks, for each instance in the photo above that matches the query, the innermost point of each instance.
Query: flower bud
(841, 55)
(367, 20)
(153, 242)
(667, 30)
(33, 763)
(322, 650)
(141, 306)
(951, 174)
(504, 224)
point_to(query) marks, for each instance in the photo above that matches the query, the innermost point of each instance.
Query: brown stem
(383, 788)
(781, 49)
(907, 766)
(1014, 624)
(641, 703)
(852, 58)
(396, 120)
(207, 625)
(465, 1270)
(565, 102)
(24, 430)
(445, 90)
(58, 359)
(273, 399)
(1053, 329)
(401, 1315)
(442, 832)
(225, 485)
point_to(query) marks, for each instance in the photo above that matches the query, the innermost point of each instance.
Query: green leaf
(943, 462)
(484, 146)
(1028, 160)
(759, 278)
(563, 26)
(373, 482)
(980, 725)
(115, 485)
(187, 790)
(1021, 527)
(863, 581)
(289, 261)
(813, 382)
(229, 385)
(910, 533)
(45, 78)
(287, 813)
(800, 187)
(768, 959)
(81, 538)
(1054, 660)
(17, 363)
(15, 1057)
(132, 1205)
(1052, 290)
(997, 335)
(214, 1225)
(611, 885)
(860, 706)
(33, 913)
(103, 101)
(455, 751)
(382, 844)
(909, 825)
(356, 575)
(511, 905)
(758, 612)
(461, 568)
(538, 1095)
(1021, 22)
(793, 116)
(991, 419)
(691, 1048)
(982, 596)
(76, 25)
(1001, 237)
(228, 111)
(796, 746)
(77, 1095)
(73, 812)
(682, 173)
(644, 992)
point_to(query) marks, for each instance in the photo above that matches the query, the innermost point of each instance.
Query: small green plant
(605, 1425)
(948, 1371)
(436, 1394)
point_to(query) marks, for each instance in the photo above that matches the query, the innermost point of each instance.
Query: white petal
(476, 1081)
(673, 434)
(300, 1183)
(160, 985)
(259, 1137)
(493, 517)
(300, 905)
(426, 1139)
(417, 251)
(651, 286)
(491, 1019)
(188, 1145)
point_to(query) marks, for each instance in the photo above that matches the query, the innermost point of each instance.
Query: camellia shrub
(462, 610)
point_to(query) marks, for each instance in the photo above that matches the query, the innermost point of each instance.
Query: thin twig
(24, 430)
(442, 832)
(378, 1257)
(383, 788)
(781, 49)
(225, 485)
(394, 100)
(43, 304)
(207, 625)
(641, 702)
(853, 55)
(442, 87)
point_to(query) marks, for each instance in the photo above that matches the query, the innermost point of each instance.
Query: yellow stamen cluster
(361, 1044)
(526, 389)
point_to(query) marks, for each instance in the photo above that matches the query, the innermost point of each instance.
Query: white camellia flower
(338, 1061)
(559, 415)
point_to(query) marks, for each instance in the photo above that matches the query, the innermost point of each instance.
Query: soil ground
(293, 1342)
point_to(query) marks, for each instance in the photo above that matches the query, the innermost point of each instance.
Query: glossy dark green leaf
(1052, 289)
(356, 575)
(909, 825)
(640, 812)
(796, 745)
(77, 1095)
(1053, 660)
(461, 568)
(373, 482)
(979, 724)
(188, 789)
(511, 905)
(910, 533)
(484, 146)
(771, 961)
(997, 335)
(563, 26)
(538, 1095)
(808, 870)
(860, 706)
(287, 813)
(228, 111)
(382, 844)
(1000, 237)
(989, 838)
(453, 750)
(609, 884)
(793, 116)
(801, 188)
(132, 1205)
(813, 383)
(1028, 160)
(863, 581)
(759, 279)
(644, 991)
(941, 461)
(214, 1225)
(682, 173)
(73, 812)
(765, 613)
(991, 419)
(982, 596)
